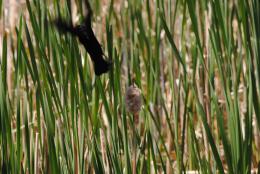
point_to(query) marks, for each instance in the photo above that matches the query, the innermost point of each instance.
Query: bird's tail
(64, 27)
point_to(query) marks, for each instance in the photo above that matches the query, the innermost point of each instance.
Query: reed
(196, 64)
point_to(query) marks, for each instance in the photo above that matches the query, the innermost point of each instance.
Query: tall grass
(195, 62)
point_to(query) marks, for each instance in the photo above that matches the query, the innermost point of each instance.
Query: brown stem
(136, 123)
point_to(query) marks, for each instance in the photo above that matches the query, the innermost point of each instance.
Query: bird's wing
(87, 20)
(83, 31)
(63, 26)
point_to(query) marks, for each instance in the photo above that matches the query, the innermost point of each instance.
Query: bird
(87, 38)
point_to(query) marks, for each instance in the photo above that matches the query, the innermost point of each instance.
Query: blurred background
(183, 94)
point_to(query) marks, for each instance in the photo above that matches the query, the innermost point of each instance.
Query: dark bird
(86, 37)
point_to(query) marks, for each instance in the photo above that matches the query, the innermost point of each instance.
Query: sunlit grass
(195, 62)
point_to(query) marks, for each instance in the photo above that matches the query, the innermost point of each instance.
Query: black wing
(88, 16)
(64, 26)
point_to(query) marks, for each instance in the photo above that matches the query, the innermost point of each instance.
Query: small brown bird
(86, 37)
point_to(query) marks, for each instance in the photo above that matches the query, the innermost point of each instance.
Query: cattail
(133, 101)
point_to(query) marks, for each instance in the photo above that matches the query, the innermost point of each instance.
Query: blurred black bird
(86, 37)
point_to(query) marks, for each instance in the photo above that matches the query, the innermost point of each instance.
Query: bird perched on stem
(86, 37)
